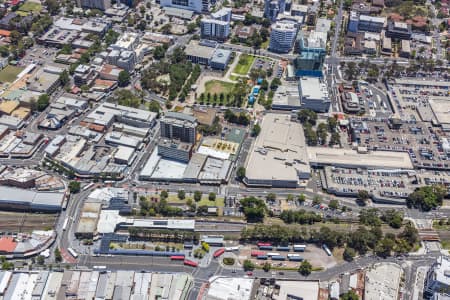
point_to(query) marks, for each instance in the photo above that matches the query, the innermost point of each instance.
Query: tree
(74, 187)
(307, 116)
(370, 217)
(392, 217)
(256, 130)
(271, 197)
(64, 77)
(363, 195)
(248, 265)
(159, 52)
(349, 254)
(240, 173)
(334, 204)
(40, 260)
(350, 295)
(191, 27)
(124, 78)
(332, 123)
(317, 200)
(305, 268)
(267, 266)
(43, 102)
(52, 6)
(58, 256)
(253, 208)
(181, 194)
(427, 197)
(385, 246)
(197, 196)
(301, 198)
(154, 107)
(163, 195)
(275, 83)
(212, 196)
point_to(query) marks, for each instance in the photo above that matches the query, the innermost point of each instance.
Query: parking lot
(383, 184)
(374, 101)
(411, 98)
(315, 255)
(420, 140)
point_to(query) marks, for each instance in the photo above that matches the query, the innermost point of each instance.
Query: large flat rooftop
(279, 152)
(353, 159)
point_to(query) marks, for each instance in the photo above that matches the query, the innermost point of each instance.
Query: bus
(88, 186)
(299, 248)
(265, 247)
(99, 267)
(262, 257)
(273, 254)
(263, 244)
(66, 221)
(283, 248)
(218, 252)
(326, 249)
(231, 249)
(278, 257)
(177, 257)
(72, 252)
(190, 263)
(257, 253)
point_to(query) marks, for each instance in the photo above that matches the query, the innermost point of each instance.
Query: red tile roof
(7, 244)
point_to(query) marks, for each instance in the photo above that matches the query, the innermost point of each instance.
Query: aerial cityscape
(224, 149)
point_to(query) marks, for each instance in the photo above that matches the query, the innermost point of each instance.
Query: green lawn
(217, 87)
(244, 64)
(10, 73)
(219, 202)
(30, 7)
(220, 93)
(445, 244)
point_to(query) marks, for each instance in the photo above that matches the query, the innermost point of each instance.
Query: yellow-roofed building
(22, 113)
(7, 107)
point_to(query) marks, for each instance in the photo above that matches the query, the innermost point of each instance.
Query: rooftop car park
(424, 144)
(383, 185)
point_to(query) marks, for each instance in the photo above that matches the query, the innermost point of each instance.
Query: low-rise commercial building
(278, 157)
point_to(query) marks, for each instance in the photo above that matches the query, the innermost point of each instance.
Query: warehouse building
(26, 200)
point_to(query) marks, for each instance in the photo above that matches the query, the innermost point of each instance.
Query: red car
(250, 273)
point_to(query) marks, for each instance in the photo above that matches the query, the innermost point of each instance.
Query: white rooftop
(279, 152)
(227, 288)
